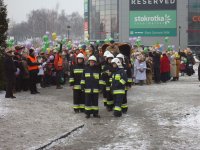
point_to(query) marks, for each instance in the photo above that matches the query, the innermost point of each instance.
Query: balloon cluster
(10, 43)
(138, 42)
(46, 44)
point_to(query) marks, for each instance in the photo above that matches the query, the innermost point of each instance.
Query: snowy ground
(165, 116)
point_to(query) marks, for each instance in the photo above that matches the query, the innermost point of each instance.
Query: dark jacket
(107, 74)
(156, 59)
(91, 79)
(76, 75)
(119, 79)
(9, 67)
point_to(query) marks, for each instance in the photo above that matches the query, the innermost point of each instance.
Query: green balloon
(166, 39)
(87, 42)
(106, 41)
(47, 44)
(110, 39)
(64, 41)
(98, 41)
(45, 38)
(44, 49)
(145, 50)
(69, 46)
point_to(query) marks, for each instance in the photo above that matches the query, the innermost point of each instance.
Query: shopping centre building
(152, 20)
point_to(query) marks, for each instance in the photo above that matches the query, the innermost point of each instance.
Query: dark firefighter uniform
(103, 87)
(75, 81)
(107, 78)
(119, 79)
(91, 85)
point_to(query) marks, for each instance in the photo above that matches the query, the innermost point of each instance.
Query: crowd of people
(90, 70)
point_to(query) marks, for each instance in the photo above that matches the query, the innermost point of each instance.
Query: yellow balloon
(54, 36)
(48, 50)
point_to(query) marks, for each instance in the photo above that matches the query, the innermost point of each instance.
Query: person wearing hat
(90, 84)
(119, 79)
(75, 79)
(33, 68)
(10, 70)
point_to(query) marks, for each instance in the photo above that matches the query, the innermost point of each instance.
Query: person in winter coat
(119, 79)
(75, 82)
(190, 63)
(25, 73)
(156, 65)
(33, 67)
(90, 83)
(141, 70)
(10, 70)
(58, 64)
(164, 67)
(173, 67)
(149, 70)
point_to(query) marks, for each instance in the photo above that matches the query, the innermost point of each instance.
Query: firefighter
(119, 80)
(75, 79)
(103, 64)
(107, 74)
(91, 85)
(127, 69)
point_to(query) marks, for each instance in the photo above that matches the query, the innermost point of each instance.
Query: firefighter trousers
(91, 103)
(79, 100)
(124, 103)
(118, 99)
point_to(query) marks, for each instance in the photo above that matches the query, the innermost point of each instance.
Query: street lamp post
(68, 31)
(179, 29)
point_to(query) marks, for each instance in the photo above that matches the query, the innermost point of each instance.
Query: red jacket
(164, 64)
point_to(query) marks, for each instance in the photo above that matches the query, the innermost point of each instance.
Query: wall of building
(182, 20)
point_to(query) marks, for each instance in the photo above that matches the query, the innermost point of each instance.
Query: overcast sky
(18, 9)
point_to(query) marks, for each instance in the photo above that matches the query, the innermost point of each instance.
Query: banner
(153, 18)
(86, 19)
(153, 4)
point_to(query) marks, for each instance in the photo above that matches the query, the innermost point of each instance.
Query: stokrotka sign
(153, 4)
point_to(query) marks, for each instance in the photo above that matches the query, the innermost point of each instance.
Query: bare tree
(42, 20)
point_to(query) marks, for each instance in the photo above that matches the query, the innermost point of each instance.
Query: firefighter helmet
(80, 55)
(92, 58)
(120, 56)
(110, 55)
(106, 53)
(117, 61)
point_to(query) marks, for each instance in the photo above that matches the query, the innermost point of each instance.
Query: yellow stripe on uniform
(122, 82)
(117, 108)
(115, 92)
(77, 87)
(71, 80)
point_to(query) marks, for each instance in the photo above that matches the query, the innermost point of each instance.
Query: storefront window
(103, 19)
(194, 23)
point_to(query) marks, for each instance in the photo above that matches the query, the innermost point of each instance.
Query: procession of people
(110, 69)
